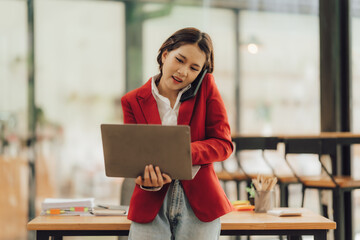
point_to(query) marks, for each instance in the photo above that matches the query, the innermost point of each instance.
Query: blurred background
(64, 65)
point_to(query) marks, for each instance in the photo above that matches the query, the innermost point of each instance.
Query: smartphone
(195, 85)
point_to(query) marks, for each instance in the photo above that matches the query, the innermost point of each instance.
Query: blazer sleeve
(217, 145)
(129, 116)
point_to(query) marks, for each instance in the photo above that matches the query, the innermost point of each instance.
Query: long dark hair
(189, 36)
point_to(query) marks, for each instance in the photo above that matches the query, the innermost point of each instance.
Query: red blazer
(210, 142)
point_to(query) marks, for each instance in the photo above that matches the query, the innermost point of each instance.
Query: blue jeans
(175, 220)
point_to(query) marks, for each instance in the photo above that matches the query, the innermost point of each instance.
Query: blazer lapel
(185, 111)
(148, 104)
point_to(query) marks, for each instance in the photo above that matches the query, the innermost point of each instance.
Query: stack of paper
(66, 206)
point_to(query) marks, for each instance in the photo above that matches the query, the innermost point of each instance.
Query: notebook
(128, 148)
(110, 210)
(285, 212)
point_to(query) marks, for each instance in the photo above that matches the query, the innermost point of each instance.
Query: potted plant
(251, 193)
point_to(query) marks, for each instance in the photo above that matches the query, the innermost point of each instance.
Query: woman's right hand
(153, 177)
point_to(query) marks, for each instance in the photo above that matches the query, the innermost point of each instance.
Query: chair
(238, 176)
(263, 144)
(339, 185)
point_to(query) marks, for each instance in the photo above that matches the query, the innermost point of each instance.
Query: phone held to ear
(195, 85)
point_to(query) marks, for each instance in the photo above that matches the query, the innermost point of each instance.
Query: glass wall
(13, 67)
(13, 119)
(80, 56)
(279, 72)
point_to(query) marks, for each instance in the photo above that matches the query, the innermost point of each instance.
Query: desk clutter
(262, 191)
(67, 206)
(243, 205)
(80, 207)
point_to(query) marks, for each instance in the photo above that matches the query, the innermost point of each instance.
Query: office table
(234, 223)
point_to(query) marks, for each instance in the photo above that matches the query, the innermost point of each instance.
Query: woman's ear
(164, 55)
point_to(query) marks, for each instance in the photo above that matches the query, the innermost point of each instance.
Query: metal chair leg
(339, 217)
(303, 189)
(284, 194)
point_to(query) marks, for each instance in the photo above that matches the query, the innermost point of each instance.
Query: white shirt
(168, 115)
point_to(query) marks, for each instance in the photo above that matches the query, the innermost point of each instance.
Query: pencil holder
(264, 201)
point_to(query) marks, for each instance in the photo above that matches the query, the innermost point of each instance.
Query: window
(80, 79)
(279, 86)
(13, 119)
(13, 68)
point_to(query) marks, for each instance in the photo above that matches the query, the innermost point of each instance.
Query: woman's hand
(153, 178)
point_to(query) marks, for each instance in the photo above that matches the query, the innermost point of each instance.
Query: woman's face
(181, 67)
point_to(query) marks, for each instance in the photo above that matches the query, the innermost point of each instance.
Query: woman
(162, 208)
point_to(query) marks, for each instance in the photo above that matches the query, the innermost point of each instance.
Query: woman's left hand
(153, 178)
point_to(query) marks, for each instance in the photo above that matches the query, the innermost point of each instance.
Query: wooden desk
(234, 223)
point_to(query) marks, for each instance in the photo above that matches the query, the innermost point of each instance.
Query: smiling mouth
(177, 79)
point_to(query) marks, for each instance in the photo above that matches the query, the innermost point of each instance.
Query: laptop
(128, 148)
